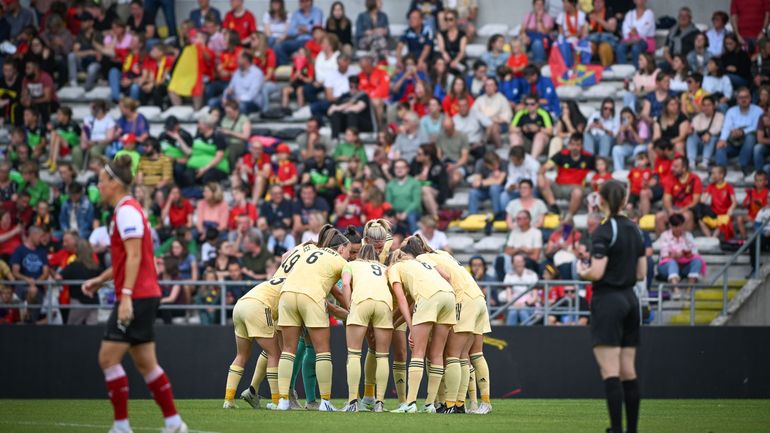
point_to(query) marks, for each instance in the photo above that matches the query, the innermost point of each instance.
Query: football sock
(160, 388)
(472, 385)
(382, 372)
(482, 375)
(259, 373)
(416, 367)
(354, 373)
(117, 389)
(272, 381)
(233, 379)
(452, 376)
(323, 367)
(465, 373)
(309, 379)
(441, 396)
(614, 393)
(435, 373)
(370, 373)
(631, 396)
(298, 356)
(399, 378)
(285, 365)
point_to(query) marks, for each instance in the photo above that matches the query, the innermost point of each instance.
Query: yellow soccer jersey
(369, 282)
(313, 272)
(462, 280)
(284, 269)
(267, 292)
(419, 279)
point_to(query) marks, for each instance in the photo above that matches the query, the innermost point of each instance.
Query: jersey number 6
(314, 256)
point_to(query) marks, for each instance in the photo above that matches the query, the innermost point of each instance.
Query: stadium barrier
(525, 362)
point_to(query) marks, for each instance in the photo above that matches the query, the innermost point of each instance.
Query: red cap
(192, 34)
(283, 148)
(128, 138)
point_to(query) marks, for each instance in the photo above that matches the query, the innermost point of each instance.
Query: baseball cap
(283, 148)
(85, 16)
(128, 138)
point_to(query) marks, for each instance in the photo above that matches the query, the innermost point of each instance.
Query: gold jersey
(313, 272)
(284, 269)
(369, 281)
(267, 292)
(420, 279)
(462, 280)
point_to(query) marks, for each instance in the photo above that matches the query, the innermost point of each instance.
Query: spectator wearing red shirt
(177, 211)
(253, 169)
(375, 82)
(38, 91)
(680, 196)
(375, 205)
(241, 206)
(285, 173)
(717, 201)
(349, 207)
(749, 19)
(240, 20)
(10, 233)
(573, 165)
(756, 199)
(265, 60)
(314, 44)
(459, 91)
(640, 180)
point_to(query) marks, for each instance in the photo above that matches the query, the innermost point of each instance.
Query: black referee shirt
(623, 253)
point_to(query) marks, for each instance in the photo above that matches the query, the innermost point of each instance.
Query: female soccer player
(312, 275)
(365, 287)
(434, 315)
(472, 323)
(617, 248)
(130, 326)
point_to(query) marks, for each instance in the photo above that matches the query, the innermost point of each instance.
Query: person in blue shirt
(541, 87)
(418, 40)
(29, 262)
(301, 25)
(198, 16)
(739, 134)
(77, 209)
(404, 82)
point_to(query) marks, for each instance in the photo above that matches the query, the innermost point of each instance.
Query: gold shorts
(371, 312)
(474, 316)
(253, 319)
(402, 327)
(439, 308)
(298, 309)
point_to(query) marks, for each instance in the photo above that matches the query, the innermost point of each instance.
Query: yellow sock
(381, 374)
(441, 396)
(435, 373)
(482, 375)
(323, 373)
(354, 373)
(465, 374)
(285, 366)
(472, 385)
(370, 373)
(452, 373)
(259, 372)
(272, 380)
(416, 367)
(233, 379)
(399, 378)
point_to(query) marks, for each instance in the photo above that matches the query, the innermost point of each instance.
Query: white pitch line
(99, 426)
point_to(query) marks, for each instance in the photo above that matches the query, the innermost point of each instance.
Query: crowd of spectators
(228, 200)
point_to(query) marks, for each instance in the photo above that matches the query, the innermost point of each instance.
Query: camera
(356, 190)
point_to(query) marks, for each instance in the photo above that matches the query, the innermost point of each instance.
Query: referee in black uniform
(617, 263)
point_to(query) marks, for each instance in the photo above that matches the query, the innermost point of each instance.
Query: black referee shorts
(615, 318)
(141, 330)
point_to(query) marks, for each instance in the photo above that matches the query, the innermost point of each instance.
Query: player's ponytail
(396, 256)
(377, 230)
(335, 240)
(418, 243)
(119, 169)
(352, 234)
(325, 235)
(613, 193)
(367, 253)
(412, 248)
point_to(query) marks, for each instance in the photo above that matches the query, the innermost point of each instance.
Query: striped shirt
(155, 170)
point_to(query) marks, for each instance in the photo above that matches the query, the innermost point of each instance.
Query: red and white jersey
(129, 222)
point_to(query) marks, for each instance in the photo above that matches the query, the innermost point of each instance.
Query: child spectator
(35, 134)
(717, 205)
(241, 206)
(302, 73)
(64, 136)
(756, 199)
(602, 175)
(351, 146)
(518, 59)
(375, 205)
(640, 180)
(315, 221)
(281, 240)
(285, 174)
(348, 207)
(37, 189)
(128, 141)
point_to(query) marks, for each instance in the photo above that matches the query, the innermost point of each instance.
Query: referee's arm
(600, 246)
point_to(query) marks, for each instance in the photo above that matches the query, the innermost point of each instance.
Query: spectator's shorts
(371, 312)
(253, 319)
(297, 309)
(141, 330)
(615, 318)
(474, 316)
(563, 192)
(439, 308)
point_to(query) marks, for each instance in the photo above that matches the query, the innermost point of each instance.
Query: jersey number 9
(377, 270)
(289, 265)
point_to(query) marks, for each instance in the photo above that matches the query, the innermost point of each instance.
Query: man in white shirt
(246, 84)
(521, 166)
(601, 129)
(520, 279)
(335, 85)
(525, 239)
(493, 105)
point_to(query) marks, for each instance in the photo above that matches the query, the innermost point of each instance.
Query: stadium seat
(70, 93)
(490, 243)
(460, 243)
(282, 73)
(600, 91)
(551, 221)
(647, 222)
(475, 51)
(80, 112)
(473, 223)
(200, 113)
(182, 113)
(488, 30)
(569, 92)
(459, 199)
(620, 72)
(98, 93)
(546, 71)
(580, 221)
(514, 31)
(397, 30)
(586, 110)
(620, 175)
(114, 112)
(302, 114)
(706, 244)
(151, 113)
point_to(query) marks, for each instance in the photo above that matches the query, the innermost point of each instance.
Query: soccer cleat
(293, 400)
(472, 407)
(429, 408)
(229, 404)
(271, 406)
(441, 408)
(251, 399)
(283, 404)
(459, 409)
(379, 407)
(367, 402)
(326, 406)
(116, 429)
(312, 405)
(406, 408)
(351, 407)
(181, 428)
(484, 408)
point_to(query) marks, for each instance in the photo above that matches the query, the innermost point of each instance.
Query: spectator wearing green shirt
(350, 146)
(129, 148)
(37, 189)
(531, 127)
(405, 194)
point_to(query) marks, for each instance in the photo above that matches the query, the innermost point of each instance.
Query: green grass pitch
(519, 416)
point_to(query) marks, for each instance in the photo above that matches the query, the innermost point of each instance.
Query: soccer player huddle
(380, 294)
